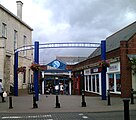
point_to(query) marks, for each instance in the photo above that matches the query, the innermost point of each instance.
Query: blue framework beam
(16, 74)
(36, 60)
(104, 69)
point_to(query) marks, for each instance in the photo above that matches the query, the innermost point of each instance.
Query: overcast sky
(73, 20)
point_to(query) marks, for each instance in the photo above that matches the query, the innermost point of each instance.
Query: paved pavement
(68, 103)
(70, 108)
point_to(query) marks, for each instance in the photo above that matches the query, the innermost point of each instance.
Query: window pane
(15, 39)
(97, 82)
(118, 82)
(24, 42)
(86, 83)
(111, 82)
(4, 30)
(93, 79)
(90, 83)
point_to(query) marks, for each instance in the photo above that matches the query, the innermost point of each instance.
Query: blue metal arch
(38, 46)
(60, 45)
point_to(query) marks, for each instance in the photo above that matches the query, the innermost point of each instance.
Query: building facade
(120, 78)
(14, 33)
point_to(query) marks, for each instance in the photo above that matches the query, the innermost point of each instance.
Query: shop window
(118, 83)
(90, 83)
(111, 82)
(93, 80)
(86, 83)
(97, 82)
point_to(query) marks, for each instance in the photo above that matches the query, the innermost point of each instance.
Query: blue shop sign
(57, 64)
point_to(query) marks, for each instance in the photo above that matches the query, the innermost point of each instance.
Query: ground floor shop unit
(92, 79)
(56, 81)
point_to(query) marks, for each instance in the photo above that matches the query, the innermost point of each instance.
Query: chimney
(19, 9)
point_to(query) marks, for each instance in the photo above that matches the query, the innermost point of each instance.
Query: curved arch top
(61, 45)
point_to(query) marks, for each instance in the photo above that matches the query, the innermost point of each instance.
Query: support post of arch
(36, 60)
(104, 69)
(15, 74)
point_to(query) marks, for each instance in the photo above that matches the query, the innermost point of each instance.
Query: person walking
(1, 90)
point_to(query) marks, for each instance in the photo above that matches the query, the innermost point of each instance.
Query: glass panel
(4, 30)
(111, 82)
(24, 43)
(118, 82)
(86, 83)
(15, 39)
(90, 83)
(97, 82)
(93, 80)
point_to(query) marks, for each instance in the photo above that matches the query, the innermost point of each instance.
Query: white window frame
(114, 74)
(99, 75)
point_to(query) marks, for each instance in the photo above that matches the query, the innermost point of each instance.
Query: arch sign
(56, 63)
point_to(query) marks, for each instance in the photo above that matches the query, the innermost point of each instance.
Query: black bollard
(109, 102)
(35, 105)
(10, 101)
(132, 96)
(57, 102)
(83, 99)
(126, 109)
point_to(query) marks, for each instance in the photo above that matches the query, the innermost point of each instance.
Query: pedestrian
(1, 90)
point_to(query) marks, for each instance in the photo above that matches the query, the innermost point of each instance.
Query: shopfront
(92, 80)
(113, 78)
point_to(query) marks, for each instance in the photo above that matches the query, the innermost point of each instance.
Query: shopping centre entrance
(38, 46)
(54, 78)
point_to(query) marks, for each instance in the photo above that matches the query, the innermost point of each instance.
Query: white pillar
(69, 87)
(43, 83)
(42, 87)
(70, 83)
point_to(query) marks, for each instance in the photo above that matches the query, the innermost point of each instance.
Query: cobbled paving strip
(42, 116)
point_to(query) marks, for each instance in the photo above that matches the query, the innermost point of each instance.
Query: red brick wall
(126, 81)
(126, 73)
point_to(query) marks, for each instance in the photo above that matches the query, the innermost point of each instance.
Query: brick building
(120, 49)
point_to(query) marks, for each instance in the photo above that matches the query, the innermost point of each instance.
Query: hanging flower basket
(21, 69)
(104, 63)
(35, 66)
